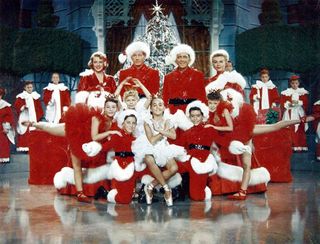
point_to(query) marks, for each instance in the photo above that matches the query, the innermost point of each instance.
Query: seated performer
(294, 102)
(28, 107)
(56, 97)
(137, 52)
(6, 128)
(94, 84)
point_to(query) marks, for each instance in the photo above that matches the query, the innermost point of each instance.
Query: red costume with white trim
(6, 130)
(197, 141)
(56, 97)
(294, 102)
(122, 168)
(28, 107)
(316, 124)
(181, 88)
(90, 89)
(148, 76)
(263, 95)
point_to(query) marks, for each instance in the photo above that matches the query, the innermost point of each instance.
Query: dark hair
(264, 71)
(111, 99)
(214, 95)
(130, 115)
(28, 82)
(195, 109)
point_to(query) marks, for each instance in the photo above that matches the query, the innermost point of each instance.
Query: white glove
(91, 148)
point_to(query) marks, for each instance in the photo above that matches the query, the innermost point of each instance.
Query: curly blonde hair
(99, 55)
(129, 93)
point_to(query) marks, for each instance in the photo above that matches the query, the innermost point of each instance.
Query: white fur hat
(132, 48)
(181, 48)
(220, 52)
(204, 109)
(123, 114)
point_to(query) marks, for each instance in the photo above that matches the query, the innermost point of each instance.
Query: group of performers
(135, 132)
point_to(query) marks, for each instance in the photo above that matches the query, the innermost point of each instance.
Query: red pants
(197, 182)
(4, 147)
(299, 138)
(23, 141)
(125, 189)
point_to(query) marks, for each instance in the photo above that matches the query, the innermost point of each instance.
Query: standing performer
(137, 52)
(264, 93)
(28, 106)
(94, 84)
(56, 97)
(294, 102)
(183, 85)
(6, 128)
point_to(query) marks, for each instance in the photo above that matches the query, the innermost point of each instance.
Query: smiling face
(157, 106)
(183, 60)
(219, 63)
(131, 102)
(129, 124)
(212, 104)
(110, 108)
(98, 64)
(196, 116)
(138, 58)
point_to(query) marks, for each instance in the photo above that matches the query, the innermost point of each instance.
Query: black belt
(199, 147)
(124, 154)
(178, 101)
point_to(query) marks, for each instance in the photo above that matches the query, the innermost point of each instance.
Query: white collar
(301, 91)
(268, 84)
(60, 87)
(35, 95)
(4, 104)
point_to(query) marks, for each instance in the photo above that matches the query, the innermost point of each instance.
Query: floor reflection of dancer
(91, 125)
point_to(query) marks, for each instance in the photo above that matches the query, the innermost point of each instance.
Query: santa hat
(132, 48)
(124, 114)
(198, 104)
(218, 53)
(181, 48)
(294, 77)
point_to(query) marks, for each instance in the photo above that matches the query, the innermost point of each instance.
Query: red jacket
(181, 88)
(90, 82)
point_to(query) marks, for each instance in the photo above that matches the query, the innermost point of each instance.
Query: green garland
(8, 36)
(278, 47)
(272, 116)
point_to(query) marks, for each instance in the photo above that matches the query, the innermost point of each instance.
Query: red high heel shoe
(81, 197)
(240, 195)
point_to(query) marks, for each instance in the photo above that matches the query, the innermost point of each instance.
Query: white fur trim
(112, 195)
(4, 160)
(119, 173)
(317, 102)
(236, 77)
(220, 52)
(204, 109)
(91, 148)
(63, 177)
(87, 72)
(123, 114)
(181, 48)
(234, 173)
(22, 149)
(236, 100)
(289, 92)
(179, 119)
(65, 108)
(122, 58)
(59, 86)
(24, 95)
(208, 194)
(146, 179)
(4, 104)
(208, 166)
(135, 47)
(81, 97)
(174, 181)
(238, 148)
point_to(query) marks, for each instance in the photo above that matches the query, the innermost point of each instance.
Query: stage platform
(286, 213)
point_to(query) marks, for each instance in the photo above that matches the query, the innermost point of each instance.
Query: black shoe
(101, 193)
(178, 193)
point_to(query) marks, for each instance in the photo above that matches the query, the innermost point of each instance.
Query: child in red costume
(56, 97)
(294, 102)
(316, 124)
(94, 84)
(28, 107)
(137, 53)
(183, 85)
(264, 93)
(121, 170)
(6, 128)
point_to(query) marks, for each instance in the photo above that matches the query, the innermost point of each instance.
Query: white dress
(162, 151)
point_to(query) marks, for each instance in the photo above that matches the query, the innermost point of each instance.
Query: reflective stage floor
(287, 213)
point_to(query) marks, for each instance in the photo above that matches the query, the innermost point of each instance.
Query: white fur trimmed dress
(162, 151)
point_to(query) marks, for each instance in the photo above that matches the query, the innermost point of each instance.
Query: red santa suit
(316, 124)
(122, 168)
(149, 77)
(56, 97)
(28, 106)
(89, 89)
(296, 111)
(263, 95)
(6, 130)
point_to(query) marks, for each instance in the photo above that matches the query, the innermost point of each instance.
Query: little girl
(154, 150)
